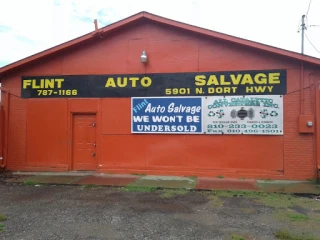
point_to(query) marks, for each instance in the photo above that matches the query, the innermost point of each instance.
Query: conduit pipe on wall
(301, 88)
(5, 127)
(317, 112)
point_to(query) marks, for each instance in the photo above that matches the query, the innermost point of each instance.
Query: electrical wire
(312, 43)
(299, 25)
(308, 8)
(11, 94)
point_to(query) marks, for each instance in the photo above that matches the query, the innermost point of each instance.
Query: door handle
(93, 154)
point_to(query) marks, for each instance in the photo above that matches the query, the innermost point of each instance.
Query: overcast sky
(31, 26)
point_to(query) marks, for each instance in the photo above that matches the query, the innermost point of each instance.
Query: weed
(311, 180)
(268, 180)
(30, 183)
(220, 176)
(242, 178)
(286, 235)
(237, 237)
(297, 217)
(2, 217)
(138, 189)
(192, 177)
(90, 186)
(168, 193)
(139, 174)
(222, 193)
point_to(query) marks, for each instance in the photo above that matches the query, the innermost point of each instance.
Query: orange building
(72, 107)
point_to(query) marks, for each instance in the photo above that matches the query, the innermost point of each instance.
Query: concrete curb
(163, 182)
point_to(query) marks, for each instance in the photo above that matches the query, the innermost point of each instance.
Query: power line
(308, 8)
(304, 24)
(299, 25)
(312, 43)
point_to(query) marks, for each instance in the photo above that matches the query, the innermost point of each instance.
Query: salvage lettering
(238, 79)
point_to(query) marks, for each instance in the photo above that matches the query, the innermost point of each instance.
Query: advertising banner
(177, 115)
(251, 82)
(243, 115)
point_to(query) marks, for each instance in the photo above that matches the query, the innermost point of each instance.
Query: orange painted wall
(46, 141)
(40, 130)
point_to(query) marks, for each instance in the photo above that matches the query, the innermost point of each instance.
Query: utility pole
(303, 26)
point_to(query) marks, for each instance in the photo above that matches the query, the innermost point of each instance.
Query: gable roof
(166, 21)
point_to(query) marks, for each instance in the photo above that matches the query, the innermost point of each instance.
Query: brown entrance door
(84, 142)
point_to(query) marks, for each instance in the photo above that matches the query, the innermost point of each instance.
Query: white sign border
(257, 134)
(172, 133)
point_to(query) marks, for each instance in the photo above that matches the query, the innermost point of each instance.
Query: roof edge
(166, 21)
(70, 43)
(234, 39)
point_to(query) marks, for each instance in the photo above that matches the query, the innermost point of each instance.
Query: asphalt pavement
(36, 211)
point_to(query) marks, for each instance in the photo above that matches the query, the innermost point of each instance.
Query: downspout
(5, 127)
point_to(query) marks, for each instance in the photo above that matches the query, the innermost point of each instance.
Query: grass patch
(278, 200)
(138, 189)
(215, 201)
(286, 235)
(220, 176)
(242, 178)
(297, 221)
(237, 237)
(297, 217)
(222, 193)
(2, 227)
(30, 183)
(248, 210)
(2, 217)
(139, 174)
(90, 186)
(169, 193)
(274, 200)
